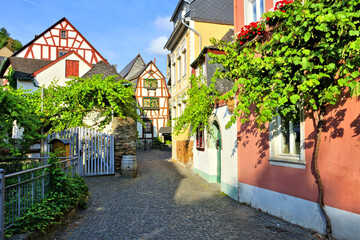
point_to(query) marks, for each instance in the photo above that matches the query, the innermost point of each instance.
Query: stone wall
(124, 130)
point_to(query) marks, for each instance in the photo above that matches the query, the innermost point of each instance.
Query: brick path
(168, 201)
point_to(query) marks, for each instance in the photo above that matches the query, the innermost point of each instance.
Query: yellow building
(195, 22)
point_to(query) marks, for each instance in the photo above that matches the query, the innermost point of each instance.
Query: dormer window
(63, 34)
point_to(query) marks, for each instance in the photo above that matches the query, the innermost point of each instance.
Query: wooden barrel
(128, 166)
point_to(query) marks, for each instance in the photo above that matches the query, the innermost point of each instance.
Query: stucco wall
(58, 70)
(239, 20)
(205, 162)
(339, 161)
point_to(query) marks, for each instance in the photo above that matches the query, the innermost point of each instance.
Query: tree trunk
(319, 118)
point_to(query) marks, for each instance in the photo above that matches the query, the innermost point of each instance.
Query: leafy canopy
(67, 106)
(309, 59)
(16, 105)
(7, 41)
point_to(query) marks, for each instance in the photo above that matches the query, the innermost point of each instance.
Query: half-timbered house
(152, 95)
(59, 53)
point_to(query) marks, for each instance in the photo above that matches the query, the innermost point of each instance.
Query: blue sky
(118, 29)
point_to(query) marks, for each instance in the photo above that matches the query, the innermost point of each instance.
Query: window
(200, 141)
(150, 83)
(173, 74)
(62, 53)
(287, 141)
(147, 127)
(151, 103)
(72, 68)
(253, 10)
(179, 68)
(184, 70)
(63, 34)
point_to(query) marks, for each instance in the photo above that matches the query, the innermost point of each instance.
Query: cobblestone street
(168, 201)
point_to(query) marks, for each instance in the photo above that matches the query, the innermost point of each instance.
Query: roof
(2, 62)
(210, 11)
(213, 11)
(176, 10)
(25, 67)
(5, 52)
(101, 68)
(165, 130)
(229, 36)
(133, 67)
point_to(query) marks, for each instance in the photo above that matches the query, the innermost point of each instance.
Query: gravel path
(168, 201)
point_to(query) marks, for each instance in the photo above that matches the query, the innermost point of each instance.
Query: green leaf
(307, 36)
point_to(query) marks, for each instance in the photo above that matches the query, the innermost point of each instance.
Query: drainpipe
(183, 22)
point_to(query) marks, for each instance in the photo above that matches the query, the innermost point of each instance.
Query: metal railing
(20, 190)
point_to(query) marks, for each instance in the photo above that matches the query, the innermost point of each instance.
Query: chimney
(115, 66)
(154, 60)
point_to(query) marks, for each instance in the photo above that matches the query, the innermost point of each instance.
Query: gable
(60, 38)
(133, 69)
(58, 70)
(152, 72)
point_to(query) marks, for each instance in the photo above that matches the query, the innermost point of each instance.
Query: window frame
(200, 139)
(150, 79)
(61, 34)
(173, 74)
(73, 72)
(63, 52)
(275, 142)
(255, 6)
(151, 108)
(184, 70)
(145, 127)
(179, 68)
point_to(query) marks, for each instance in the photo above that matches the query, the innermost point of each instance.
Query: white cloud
(157, 46)
(163, 23)
(110, 56)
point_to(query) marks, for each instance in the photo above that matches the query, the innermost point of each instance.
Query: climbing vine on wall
(199, 105)
(309, 59)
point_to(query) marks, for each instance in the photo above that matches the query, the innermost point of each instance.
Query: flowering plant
(248, 32)
(279, 5)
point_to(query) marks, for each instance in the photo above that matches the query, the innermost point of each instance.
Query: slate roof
(25, 67)
(133, 67)
(101, 68)
(229, 36)
(213, 11)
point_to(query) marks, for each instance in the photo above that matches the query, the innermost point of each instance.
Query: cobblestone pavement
(168, 201)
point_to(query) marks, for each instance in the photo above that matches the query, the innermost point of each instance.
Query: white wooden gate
(95, 150)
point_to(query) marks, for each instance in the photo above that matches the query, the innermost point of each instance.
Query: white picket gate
(95, 150)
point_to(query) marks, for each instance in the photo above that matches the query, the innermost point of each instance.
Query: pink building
(278, 178)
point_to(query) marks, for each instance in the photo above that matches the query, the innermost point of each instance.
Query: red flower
(267, 19)
(259, 33)
(241, 43)
(283, 11)
(254, 32)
